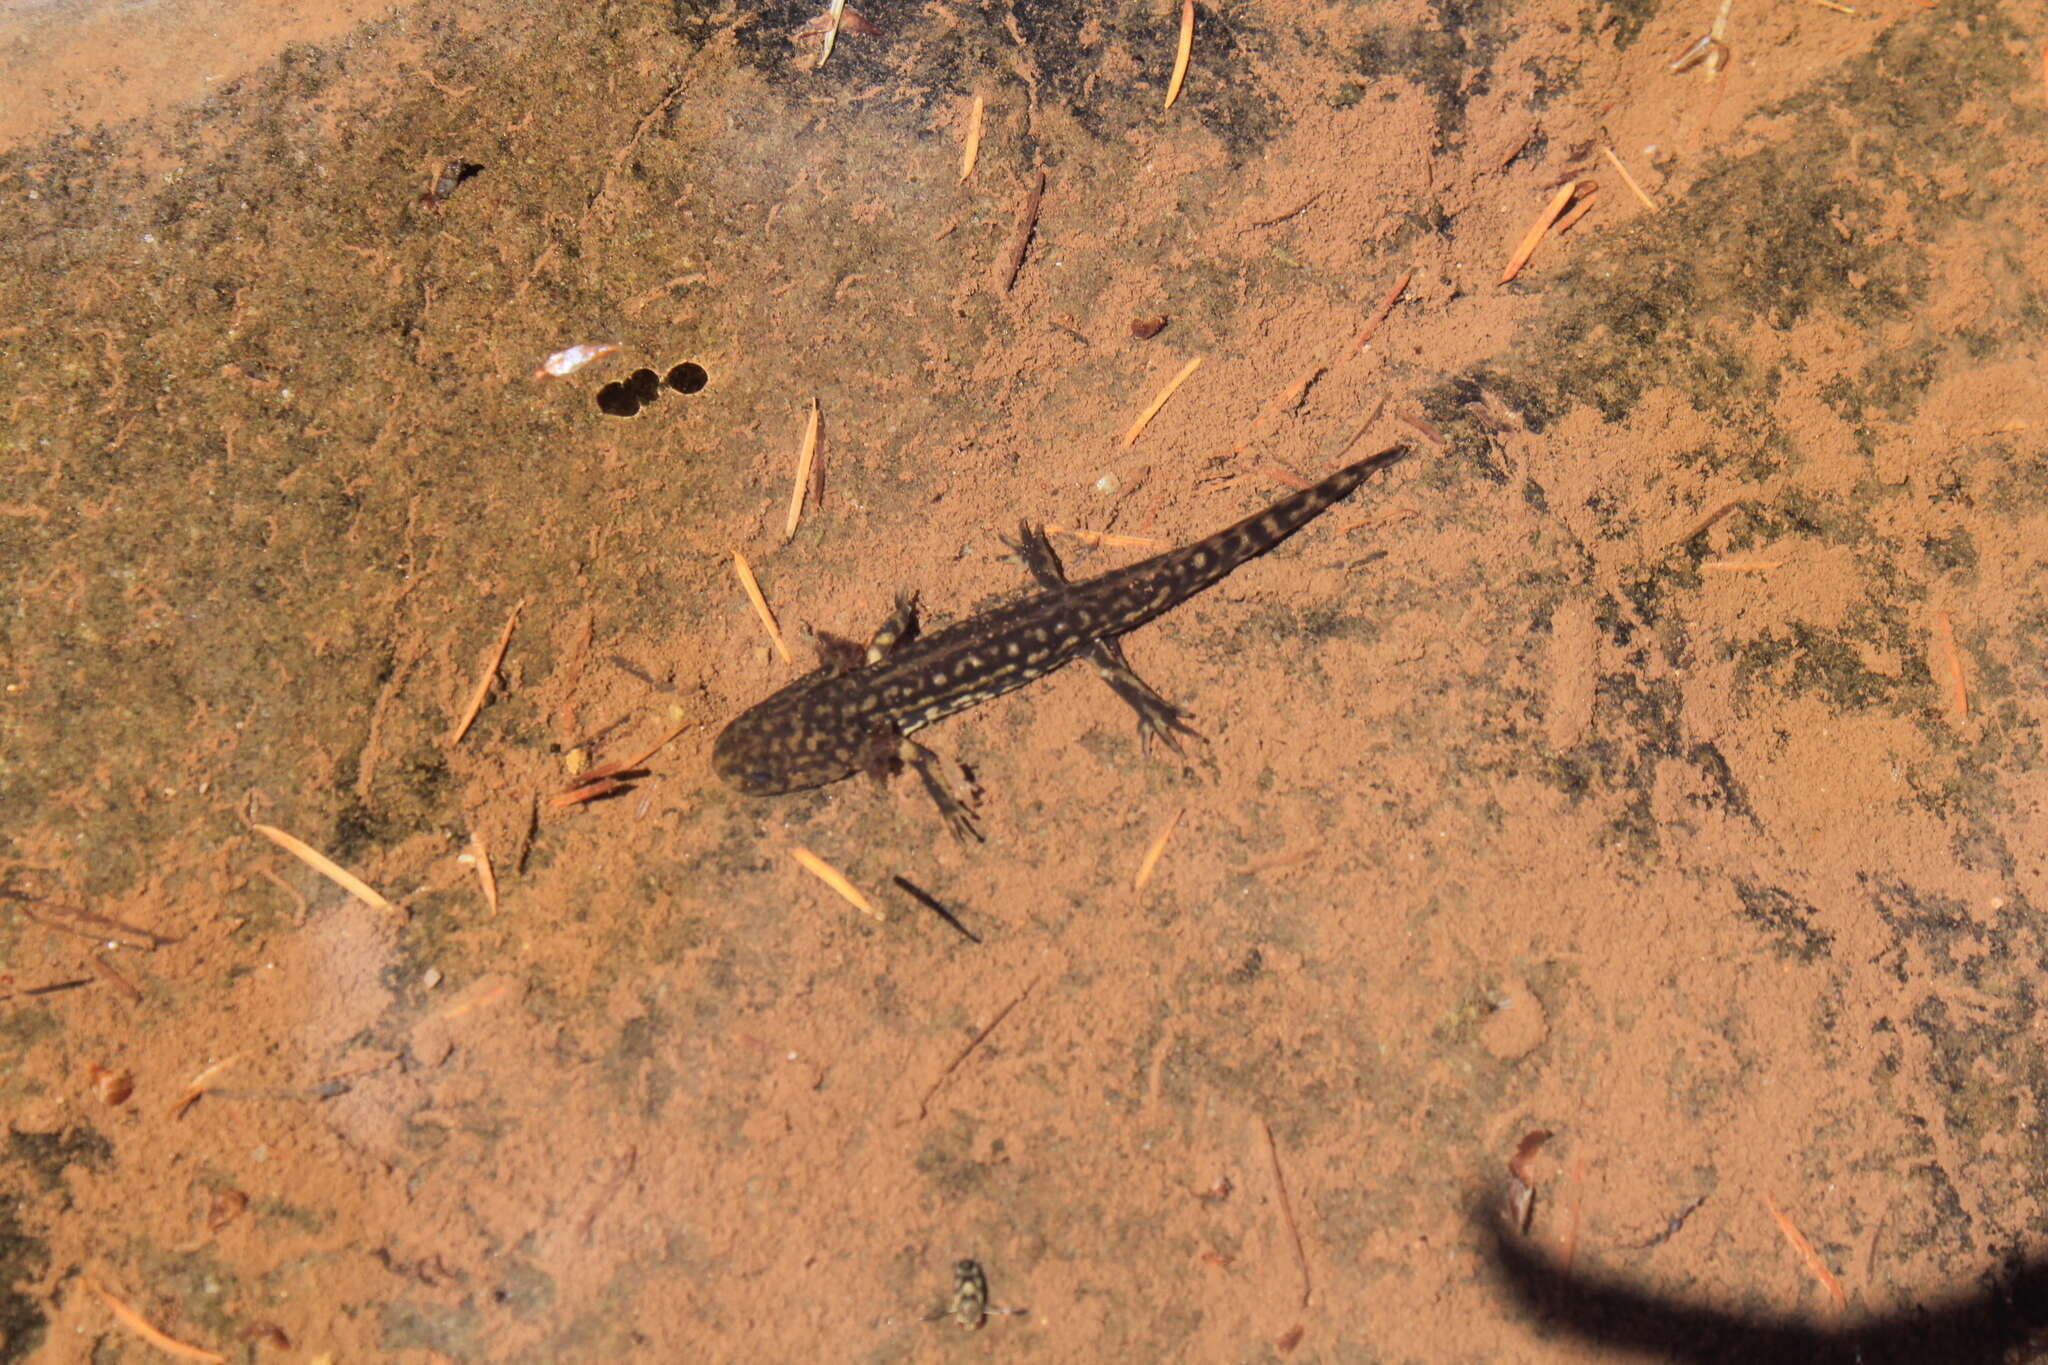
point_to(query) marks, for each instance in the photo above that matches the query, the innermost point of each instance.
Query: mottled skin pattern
(852, 714)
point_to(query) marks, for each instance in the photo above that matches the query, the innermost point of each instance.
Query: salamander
(856, 711)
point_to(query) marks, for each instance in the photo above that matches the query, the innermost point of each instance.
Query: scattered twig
(1702, 47)
(299, 902)
(972, 149)
(638, 760)
(1830, 4)
(1671, 1225)
(71, 919)
(933, 904)
(201, 1083)
(1181, 52)
(490, 676)
(114, 978)
(1020, 236)
(1158, 848)
(1718, 57)
(1280, 473)
(1294, 392)
(53, 988)
(141, 1327)
(1628, 179)
(835, 13)
(1944, 630)
(804, 455)
(1740, 565)
(1579, 209)
(924, 1105)
(746, 573)
(326, 867)
(1302, 207)
(1152, 409)
(831, 876)
(1710, 518)
(1287, 1209)
(622, 1168)
(607, 778)
(486, 876)
(325, 1090)
(1379, 315)
(1797, 1241)
(587, 791)
(1422, 426)
(1105, 538)
(1534, 237)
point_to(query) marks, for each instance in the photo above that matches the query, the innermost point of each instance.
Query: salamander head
(765, 754)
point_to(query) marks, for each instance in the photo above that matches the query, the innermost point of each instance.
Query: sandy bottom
(1604, 920)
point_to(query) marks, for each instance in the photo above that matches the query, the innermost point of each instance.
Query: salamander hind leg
(958, 816)
(1037, 556)
(1158, 718)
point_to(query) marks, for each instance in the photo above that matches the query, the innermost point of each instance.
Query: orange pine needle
(626, 765)
(1105, 538)
(587, 791)
(1153, 854)
(483, 684)
(973, 147)
(1379, 314)
(1152, 410)
(835, 13)
(1740, 565)
(1180, 56)
(114, 978)
(201, 1083)
(326, 867)
(805, 454)
(1579, 210)
(142, 1327)
(1628, 179)
(1534, 237)
(1944, 629)
(1814, 1263)
(830, 875)
(746, 573)
(485, 876)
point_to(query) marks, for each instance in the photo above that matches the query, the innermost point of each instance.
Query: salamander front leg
(1157, 717)
(959, 819)
(884, 753)
(901, 626)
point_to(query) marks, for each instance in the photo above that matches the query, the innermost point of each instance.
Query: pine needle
(830, 875)
(326, 867)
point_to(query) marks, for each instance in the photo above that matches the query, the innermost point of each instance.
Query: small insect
(452, 174)
(574, 358)
(969, 1304)
(849, 22)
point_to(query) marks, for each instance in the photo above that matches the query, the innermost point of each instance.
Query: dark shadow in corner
(2002, 1325)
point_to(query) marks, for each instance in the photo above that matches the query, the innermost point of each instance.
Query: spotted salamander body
(853, 715)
